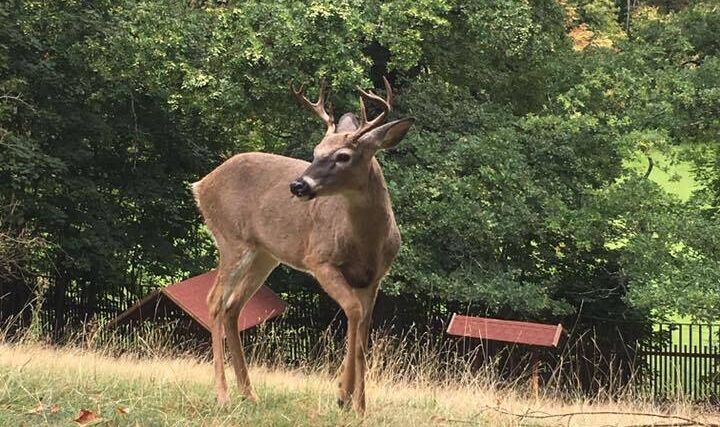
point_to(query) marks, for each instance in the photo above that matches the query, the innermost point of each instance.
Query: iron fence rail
(683, 361)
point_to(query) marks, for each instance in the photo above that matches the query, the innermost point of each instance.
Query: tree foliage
(516, 192)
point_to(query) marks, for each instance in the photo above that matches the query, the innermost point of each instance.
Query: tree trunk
(61, 285)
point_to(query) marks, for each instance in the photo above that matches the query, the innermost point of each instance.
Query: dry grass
(178, 391)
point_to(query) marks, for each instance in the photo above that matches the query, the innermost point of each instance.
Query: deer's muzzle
(300, 188)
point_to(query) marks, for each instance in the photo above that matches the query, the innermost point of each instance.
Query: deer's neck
(370, 209)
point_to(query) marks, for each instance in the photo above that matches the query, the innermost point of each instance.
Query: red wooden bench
(505, 330)
(510, 331)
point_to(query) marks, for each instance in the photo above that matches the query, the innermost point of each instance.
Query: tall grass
(413, 379)
(424, 358)
(427, 372)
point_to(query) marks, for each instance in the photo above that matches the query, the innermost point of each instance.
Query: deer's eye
(342, 158)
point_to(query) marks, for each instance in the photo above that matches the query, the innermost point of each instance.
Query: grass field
(46, 386)
(675, 178)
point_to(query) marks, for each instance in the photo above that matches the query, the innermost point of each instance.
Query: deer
(331, 218)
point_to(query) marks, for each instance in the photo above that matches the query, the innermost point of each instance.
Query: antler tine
(388, 92)
(385, 104)
(363, 113)
(317, 107)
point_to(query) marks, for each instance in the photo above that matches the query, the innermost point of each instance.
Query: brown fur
(346, 238)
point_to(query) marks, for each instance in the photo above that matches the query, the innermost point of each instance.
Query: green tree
(98, 170)
(515, 192)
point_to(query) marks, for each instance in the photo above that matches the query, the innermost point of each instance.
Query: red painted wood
(191, 296)
(505, 330)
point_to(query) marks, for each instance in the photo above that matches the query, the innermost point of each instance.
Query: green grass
(45, 386)
(133, 402)
(705, 340)
(41, 386)
(675, 178)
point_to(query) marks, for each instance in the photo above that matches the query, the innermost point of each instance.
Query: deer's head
(342, 160)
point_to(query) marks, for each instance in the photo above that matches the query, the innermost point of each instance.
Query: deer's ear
(387, 135)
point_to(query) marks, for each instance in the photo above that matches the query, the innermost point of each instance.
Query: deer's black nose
(299, 188)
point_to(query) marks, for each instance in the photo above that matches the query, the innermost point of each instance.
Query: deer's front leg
(333, 282)
(367, 299)
(352, 379)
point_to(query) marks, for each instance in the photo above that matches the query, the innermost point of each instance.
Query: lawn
(47, 386)
(675, 178)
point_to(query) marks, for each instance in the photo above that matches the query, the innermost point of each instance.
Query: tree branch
(17, 98)
(650, 167)
(688, 421)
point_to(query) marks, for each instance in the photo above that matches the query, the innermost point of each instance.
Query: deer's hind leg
(215, 303)
(247, 277)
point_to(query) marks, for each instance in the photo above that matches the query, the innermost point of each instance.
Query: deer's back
(246, 201)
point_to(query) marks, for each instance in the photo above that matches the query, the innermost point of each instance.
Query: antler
(317, 107)
(385, 104)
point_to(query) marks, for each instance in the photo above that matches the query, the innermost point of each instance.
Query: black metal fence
(683, 361)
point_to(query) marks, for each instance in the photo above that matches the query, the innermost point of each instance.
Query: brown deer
(334, 221)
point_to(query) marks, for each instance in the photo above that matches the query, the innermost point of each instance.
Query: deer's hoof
(250, 397)
(222, 399)
(344, 399)
(343, 404)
